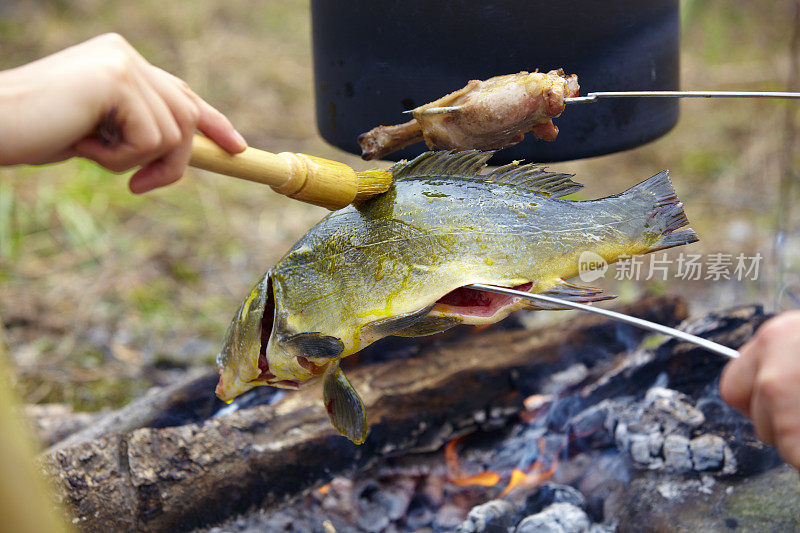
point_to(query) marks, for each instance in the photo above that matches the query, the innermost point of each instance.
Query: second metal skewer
(593, 97)
(639, 322)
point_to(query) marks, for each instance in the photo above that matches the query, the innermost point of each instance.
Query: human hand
(52, 109)
(764, 384)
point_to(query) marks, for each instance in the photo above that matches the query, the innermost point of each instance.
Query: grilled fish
(398, 265)
(491, 114)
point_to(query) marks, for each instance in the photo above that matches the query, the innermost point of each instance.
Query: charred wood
(177, 478)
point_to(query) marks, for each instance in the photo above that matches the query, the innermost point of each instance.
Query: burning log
(176, 478)
(646, 422)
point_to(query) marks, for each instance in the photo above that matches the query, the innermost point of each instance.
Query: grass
(98, 287)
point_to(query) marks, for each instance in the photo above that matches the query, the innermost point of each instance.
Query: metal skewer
(592, 97)
(639, 322)
(437, 110)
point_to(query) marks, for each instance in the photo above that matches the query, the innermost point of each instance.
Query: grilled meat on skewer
(490, 114)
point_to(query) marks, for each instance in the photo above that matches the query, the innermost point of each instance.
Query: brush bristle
(372, 183)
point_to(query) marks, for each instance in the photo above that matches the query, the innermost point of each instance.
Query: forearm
(11, 99)
(44, 112)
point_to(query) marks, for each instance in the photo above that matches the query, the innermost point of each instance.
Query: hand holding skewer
(764, 384)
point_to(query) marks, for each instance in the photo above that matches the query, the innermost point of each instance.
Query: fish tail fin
(666, 211)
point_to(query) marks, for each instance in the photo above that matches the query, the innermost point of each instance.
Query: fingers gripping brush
(310, 179)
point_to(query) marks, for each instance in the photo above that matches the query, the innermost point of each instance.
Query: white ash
(556, 518)
(675, 405)
(730, 464)
(550, 493)
(708, 452)
(669, 490)
(494, 515)
(380, 505)
(448, 517)
(677, 455)
(706, 484)
(646, 449)
(569, 376)
(602, 528)
(660, 431)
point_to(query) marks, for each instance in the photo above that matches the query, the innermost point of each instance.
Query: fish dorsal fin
(345, 407)
(469, 164)
(466, 164)
(535, 178)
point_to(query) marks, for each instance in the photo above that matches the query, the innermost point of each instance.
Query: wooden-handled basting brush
(303, 177)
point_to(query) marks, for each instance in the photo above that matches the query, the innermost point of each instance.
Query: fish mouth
(479, 306)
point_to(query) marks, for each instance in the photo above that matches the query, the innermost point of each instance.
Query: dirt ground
(103, 294)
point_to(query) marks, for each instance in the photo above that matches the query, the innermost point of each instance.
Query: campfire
(590, 424)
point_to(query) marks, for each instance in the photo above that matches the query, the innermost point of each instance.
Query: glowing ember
(535, 405)
(324, 488)
(537, 401)
(486, 478)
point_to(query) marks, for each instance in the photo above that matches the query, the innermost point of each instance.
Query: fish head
(261, 349)
(238, 359)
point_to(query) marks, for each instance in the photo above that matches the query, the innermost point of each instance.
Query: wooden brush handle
(303, 177)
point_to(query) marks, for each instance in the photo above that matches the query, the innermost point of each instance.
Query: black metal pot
(374, 59)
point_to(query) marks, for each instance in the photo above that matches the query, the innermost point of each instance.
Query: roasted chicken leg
(484, 115)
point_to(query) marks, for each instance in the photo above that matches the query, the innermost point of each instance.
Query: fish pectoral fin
(429, 326)
(344, 406)
(572, 293)
(315, 345)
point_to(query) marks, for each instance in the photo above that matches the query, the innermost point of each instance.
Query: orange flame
(456, 475)
(324, 488)
(451, 458)
(536, 474)
(517, 478)
(529, 480)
